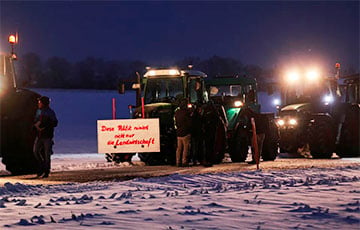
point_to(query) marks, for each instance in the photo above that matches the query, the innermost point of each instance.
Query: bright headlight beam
(281, 122)
(312, 75)
(292, 76)
(328, 99)
(238, 103)
(276, 101)
(292, 122)
(173, 72)
(152, 73)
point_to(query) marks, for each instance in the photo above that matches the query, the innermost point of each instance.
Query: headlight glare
(238, 103)
(312, 75)
(292, 76)
(292, 122)
(280, 122)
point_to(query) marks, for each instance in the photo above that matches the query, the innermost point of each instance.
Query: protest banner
(128, 135)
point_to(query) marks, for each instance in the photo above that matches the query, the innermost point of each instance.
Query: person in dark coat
(183, 133)
(261, 125)
(210, 122)
(197, 143)
(45, 122)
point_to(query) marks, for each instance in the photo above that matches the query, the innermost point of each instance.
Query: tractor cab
(317, 92)
(233, 93)
(162, 90)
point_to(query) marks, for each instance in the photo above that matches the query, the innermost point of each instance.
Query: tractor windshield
(226, 90)
(163, 89)
(324, 92)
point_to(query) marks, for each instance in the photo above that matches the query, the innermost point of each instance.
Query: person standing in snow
(260, 124)
(183, 133)
(45, 122)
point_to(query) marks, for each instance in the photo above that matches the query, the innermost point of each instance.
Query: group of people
(44, 124)
(196, 130)
(201, 133)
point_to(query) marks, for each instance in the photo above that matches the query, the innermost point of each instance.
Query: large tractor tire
(18, 110)
(152, 158)
(119, 157)
(271, 143)
(167, 154)
(349, 145)
(239, 146)
(322, 137)
(220, 143)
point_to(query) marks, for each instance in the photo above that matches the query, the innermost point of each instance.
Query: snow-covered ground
(292, 199)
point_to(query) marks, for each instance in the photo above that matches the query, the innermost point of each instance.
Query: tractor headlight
(238, 104)
(328, 99)
(276, 102)
(312, 75)
(280, 122)
(293, 121)
(292, 77)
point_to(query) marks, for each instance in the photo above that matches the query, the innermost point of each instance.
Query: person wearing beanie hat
(45, 122)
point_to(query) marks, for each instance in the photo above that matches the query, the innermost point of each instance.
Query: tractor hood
(297, 107)
(155, 110)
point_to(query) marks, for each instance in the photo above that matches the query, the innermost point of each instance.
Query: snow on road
(315, 198)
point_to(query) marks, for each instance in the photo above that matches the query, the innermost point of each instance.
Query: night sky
(269, 34)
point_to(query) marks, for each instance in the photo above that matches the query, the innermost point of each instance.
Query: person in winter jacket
(45, 122)
(261, 125)
(183, 133)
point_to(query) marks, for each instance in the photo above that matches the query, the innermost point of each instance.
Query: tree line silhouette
(97, 73)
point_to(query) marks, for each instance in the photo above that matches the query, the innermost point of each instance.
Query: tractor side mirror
(121, 88)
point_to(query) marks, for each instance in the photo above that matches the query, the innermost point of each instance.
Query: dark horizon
(269, 34)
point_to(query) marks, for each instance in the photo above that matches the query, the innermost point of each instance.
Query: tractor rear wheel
(239, 146)
(322, 137)
(18, 110)
(349, 145)
(270, 146)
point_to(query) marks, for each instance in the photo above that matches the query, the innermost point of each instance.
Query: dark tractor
(234, 94)
(317, 117)
(162, 90)
(17, 108)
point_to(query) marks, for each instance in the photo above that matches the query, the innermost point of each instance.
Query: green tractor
(161, 91)
(319, 116)
(17, 109)
(234, 94)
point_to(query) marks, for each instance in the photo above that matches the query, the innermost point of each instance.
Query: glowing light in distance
(189, 106)
(238, 103)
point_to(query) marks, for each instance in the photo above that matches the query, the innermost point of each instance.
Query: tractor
(235, 94)
(319, 116)
(158, 94)
(17, 109)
